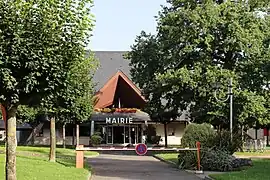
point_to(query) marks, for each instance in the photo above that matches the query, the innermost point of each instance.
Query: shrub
(95, 139)
(187, 160)
(241, 162)
(156, 139)
(203, 133)
(216, 160)
(223, 141)
(97, 133)
(216, 152)
(151, 132)
(211, 160)
(208, 137)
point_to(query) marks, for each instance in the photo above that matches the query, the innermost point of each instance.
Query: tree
(79, 94)
(74, 103)
(40, 41)
(146, 60)
(210, 42)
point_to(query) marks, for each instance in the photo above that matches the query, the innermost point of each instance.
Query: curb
(89, 177)
(208, 178)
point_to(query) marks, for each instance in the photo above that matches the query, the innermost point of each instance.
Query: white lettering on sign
(119, 120)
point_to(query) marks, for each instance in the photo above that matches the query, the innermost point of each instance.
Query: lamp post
(229, 96)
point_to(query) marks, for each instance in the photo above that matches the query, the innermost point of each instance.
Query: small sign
(141, 149)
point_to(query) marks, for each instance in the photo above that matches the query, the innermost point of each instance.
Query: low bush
(211, 160)
(223, 141)
(209, 138)
(203, 133)
(187, 160)
(216, 160)
(95, 139)
(156, 139)
(237, 163)
(216, 149)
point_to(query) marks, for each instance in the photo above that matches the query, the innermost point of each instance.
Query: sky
(118, 22)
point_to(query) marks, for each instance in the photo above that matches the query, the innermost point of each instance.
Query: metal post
(231, 109)
(229, 96)
(92, 128)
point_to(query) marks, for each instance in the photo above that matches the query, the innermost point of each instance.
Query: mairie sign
(119, 120)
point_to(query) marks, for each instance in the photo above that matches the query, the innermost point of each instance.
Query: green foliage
(217, 160)
(27, 114)
(199, 44)
(222, 141)
(202, 133)
(187, 160)
(40, 41)
(209, 138)
(146, 61)
(95, 139)
(78, 96)
(211, 160)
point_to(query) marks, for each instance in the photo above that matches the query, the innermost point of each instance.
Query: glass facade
(120, 134)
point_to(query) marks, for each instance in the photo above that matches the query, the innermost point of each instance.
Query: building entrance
(124, 134)
(118, 134)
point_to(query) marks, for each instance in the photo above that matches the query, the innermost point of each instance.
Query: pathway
(128, 167)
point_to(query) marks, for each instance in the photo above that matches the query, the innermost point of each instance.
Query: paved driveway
(127, 167)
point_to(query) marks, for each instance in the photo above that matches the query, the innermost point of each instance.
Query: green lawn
(259, 171)
(169, 156)
(45, 150)
(265, 153)
(33, 164)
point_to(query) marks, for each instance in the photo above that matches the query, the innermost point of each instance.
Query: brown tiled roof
(106, 94)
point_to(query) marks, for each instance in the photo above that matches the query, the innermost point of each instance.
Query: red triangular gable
(106, 94)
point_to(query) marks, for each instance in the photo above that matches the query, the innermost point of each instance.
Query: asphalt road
(127, 167)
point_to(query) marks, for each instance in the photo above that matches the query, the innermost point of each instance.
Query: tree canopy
(204, 43)
(78, 96)
(41, 41)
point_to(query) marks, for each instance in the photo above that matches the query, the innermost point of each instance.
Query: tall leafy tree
(40, 41)
(207, 42)
(74, 105)
(147, 60)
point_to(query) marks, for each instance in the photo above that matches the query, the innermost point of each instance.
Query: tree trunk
(165, 134)
(64, 135)
(77, 134)
(267, 137)
(243, 139)
(73, 135)
(11, 144)
(256, 133)
(52, 140)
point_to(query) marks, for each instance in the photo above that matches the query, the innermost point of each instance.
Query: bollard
(199, 171)
(79, 157)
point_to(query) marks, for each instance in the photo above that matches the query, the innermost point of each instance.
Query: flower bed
(119, 110)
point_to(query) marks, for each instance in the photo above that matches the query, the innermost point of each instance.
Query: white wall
(177, 127)
(45, 139)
